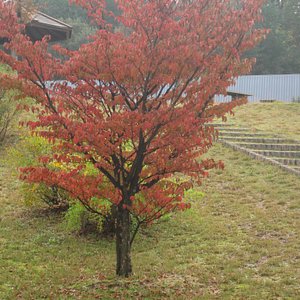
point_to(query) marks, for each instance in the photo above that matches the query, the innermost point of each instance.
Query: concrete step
(219, 124)
(225, 134)
(269, 146)
(257, 140)
(286, 161)
(289, 165)
(284, 154)
(233, 129)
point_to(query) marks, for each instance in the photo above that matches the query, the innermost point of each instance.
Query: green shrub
(25, 154)
(8, 112)
(193, 195)
(27, 151)
(79, 219)
(8, 105)
(35, 193)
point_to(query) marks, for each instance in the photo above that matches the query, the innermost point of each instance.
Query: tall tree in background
(134, 104)
(291, 20)
(279, 53)
(74, 16)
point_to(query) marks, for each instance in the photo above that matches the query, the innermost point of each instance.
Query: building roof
(40, 25)
(284, 87)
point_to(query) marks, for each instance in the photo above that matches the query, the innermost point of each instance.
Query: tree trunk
(123, 242)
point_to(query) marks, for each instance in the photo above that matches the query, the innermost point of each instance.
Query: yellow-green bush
(8, 109)
(8, 112)
(79, 219)
(25, 154)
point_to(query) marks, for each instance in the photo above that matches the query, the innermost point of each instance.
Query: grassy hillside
(277, 118)
(239, 241)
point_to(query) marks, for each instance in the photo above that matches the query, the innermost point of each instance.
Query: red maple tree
(133, 102)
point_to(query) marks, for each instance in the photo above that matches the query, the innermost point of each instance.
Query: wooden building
(39, 25)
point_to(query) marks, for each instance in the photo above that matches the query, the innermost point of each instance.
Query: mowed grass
(239, 241)
(277, 118)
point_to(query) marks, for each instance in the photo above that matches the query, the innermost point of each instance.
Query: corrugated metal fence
(266, 87)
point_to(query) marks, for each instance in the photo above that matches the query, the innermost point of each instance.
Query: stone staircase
(279, 151)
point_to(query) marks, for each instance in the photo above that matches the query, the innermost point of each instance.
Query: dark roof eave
(232, 93)
(51, 18)
(47, 26)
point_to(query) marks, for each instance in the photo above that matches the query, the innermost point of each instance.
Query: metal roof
(284, 87)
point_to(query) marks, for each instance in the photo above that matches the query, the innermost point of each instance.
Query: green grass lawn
(239, 241)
